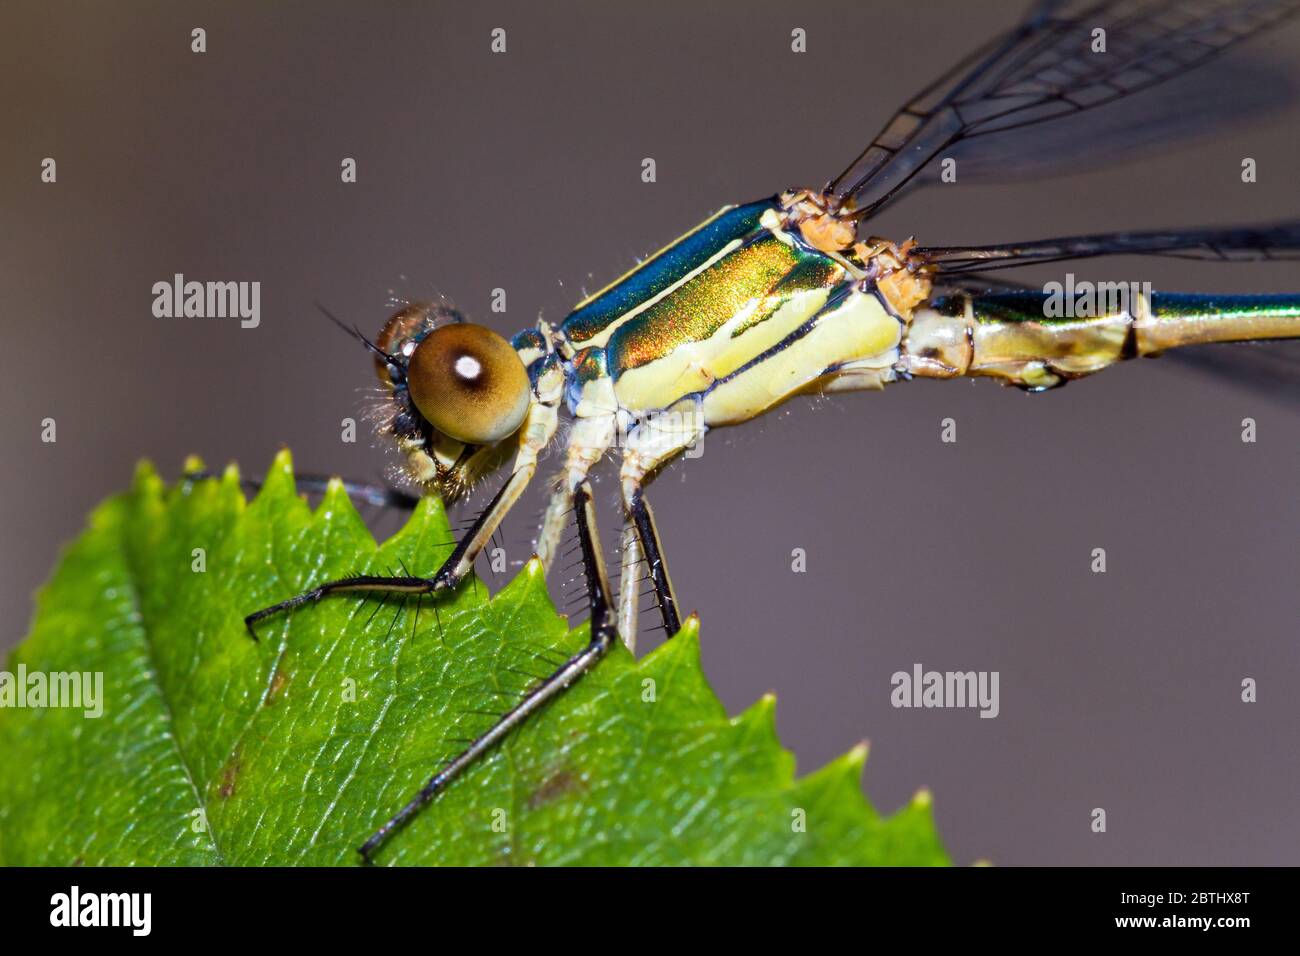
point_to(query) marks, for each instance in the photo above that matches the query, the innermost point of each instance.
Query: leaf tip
(527, 586)
(283, 460)
(335, 497)
(278, 483)
(760, 716)
(856, 758)
(682, 651)
(145, 480)
(192, 464)
(923, 799)
(144, 470)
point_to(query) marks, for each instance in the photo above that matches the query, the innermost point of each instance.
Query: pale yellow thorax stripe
(859, 329)
(694, 366)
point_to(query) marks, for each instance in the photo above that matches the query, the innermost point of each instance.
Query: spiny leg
(603, 634)
(461, 560)
(588, 442)
(445, 579)
(650, 446)
(558, 509)
(643, 523)
(537, 431)
(360, 582)
(629, 583)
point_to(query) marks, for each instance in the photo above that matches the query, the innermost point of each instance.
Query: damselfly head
(458, 391)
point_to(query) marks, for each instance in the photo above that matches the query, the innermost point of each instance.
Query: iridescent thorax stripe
(671, 265)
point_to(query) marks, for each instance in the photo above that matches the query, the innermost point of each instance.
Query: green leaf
(215, 749)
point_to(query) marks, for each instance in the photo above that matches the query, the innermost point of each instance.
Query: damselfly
(789, 295)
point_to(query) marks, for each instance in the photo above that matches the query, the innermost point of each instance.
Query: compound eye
(469, 383)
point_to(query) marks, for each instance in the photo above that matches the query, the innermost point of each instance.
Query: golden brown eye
(469, 383)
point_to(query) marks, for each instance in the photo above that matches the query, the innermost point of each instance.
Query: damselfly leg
(603, 634)
(445, 578)
(537, 431)
(651, 445)
(369, 493)
(590, 438)
(647, 537)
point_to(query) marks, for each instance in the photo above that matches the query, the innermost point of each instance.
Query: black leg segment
(604, 633)
(446, 578)
(362, 582)
(643, 519)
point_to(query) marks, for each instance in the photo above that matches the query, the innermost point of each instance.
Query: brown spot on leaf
(278, 680)
(229, 776)
(557, 785)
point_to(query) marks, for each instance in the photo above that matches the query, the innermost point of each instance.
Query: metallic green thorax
(732, 293)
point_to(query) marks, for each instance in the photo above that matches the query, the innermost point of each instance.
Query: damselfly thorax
(789, 295)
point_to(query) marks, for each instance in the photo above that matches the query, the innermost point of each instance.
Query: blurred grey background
(522, 171)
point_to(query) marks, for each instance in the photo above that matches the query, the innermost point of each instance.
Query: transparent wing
(1228, 244)
(1045, 69)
